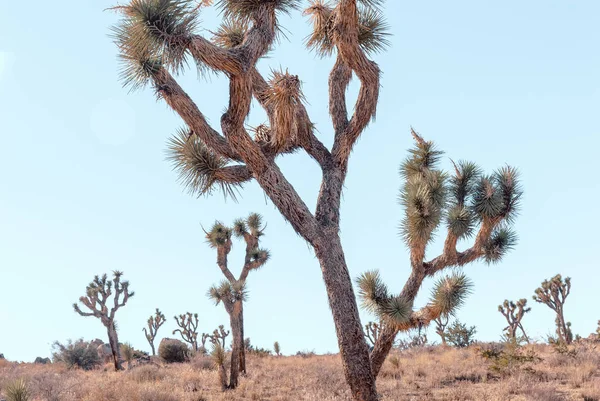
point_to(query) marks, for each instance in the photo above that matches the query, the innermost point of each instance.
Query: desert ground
(536, 372)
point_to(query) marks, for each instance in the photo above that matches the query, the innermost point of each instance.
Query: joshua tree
(155, 38)
(553, 293)
(441, 322)
(154, 323)
(463, 201)
(219, 357)
(188, 329)
(231, 291)
(514, 312)
(218, 336)
(276, 348)
(372, 330)
(98, 293)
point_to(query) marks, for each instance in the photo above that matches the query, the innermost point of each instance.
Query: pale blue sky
(85, 187)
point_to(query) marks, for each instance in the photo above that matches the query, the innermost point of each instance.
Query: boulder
(1, 356)
(43, 361)
(104, 352)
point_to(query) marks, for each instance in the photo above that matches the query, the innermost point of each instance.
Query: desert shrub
(305, 354)
(260, 352)
(78, 354)
(508, 358)
(461, 336)
(17, 391)
(394, 361)
(172, 351)
(147, 373)
(202, 362)
(158, 395)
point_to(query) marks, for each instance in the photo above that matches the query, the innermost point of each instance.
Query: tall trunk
(351, 339)
(237, 343)
(242, 348)
(113, 340)
(152, 347)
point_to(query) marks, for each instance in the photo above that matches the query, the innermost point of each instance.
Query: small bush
(461, 336)
(17, 391)
(305, 354)
(147, 373)
(76, 354)
(173, 351)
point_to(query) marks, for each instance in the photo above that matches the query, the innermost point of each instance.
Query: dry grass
(432, 373)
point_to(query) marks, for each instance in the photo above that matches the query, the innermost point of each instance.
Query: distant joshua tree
(231, 291)
(155, 40)
(98, 293)
(154, 323)
(276, 348)
(553, 293)
(441, 322)
(372, 330)
(188, 329)
(461, 336)
(514, 312)
(218, 336)
(462, 202)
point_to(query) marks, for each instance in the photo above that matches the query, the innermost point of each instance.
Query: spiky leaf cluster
(218, 235)
(449, 293)
(501, 241)
(372, 28)
(197, 165)
(246, 9)
(228, 293)
(424, 193)
(231, 33)
(376, 299)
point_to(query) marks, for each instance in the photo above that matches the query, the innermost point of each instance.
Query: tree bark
(351, 339)
(382, 347)
(113, 340)
(237, 344)
(242, 347)
(152, 347)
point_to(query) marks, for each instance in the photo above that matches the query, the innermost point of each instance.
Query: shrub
(172, 351)
(17, 391)
(147, 373)
(508, 358)
(79, 354)
(461, 336)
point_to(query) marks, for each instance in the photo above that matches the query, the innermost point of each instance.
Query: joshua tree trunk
(351, 339)
(114, 345)
(242, 347)
(152, 348)
(237, 344)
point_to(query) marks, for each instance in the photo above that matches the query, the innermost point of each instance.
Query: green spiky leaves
(252, 225)
(499, 244)
(372, 28)
(246, 9)
(449, 293)
(218, 235)
(228, 293)
(376, 299)
(153, 33)
(231, 33)
(460, 222)
(197, 165)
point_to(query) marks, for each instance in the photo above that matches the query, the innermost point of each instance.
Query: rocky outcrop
(43, 361)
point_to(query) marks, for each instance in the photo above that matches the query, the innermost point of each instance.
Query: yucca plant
(231, 292)
(128, 353)
(219, 358)
(553, 293)
(469, 204)
(514, 312)
(154, 323)
(157, 39)
(98, 293)
(17, 391)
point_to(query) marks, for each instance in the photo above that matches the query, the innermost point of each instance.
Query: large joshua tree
(514, 313)
(468, 203)
(553, 293)
(231, 291)
(98, 294)
(157, 37)
(154, 323)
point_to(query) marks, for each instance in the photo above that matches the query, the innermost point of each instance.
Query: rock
(104, 352)
(97, 342)
(43, 361)
(1, 356)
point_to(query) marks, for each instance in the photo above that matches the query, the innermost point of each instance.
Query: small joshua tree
(188, 329)
(276, 348)
(372, 330)
(231, 291)
(468, 203)
(441, 322)
(553, 293)
(219, 358)
(514, 312)
(154, 323)
(218, 336)
(98, 293)
(459, 335)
